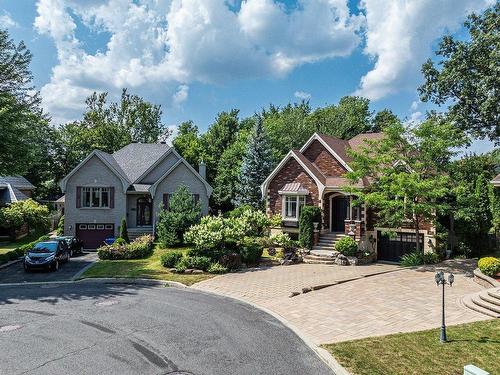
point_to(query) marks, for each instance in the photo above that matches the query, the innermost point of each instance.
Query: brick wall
(291, 172)
(326, 163)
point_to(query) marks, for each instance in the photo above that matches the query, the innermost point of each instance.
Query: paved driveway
(102, 328)
(400, 301)
(16, 274)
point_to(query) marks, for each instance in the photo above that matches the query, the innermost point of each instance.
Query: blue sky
(197, 58)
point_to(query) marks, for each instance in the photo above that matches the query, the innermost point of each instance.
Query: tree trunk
(417, 234)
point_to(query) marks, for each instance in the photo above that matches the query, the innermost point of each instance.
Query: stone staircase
(133, 233)
(322, 253)
(486, 302)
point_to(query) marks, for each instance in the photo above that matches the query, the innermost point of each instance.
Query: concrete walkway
(398, 300)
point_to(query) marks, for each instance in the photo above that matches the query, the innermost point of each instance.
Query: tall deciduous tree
(407, 172)
(257, 164)
(467, 76)
(187, 142)
(22, 123)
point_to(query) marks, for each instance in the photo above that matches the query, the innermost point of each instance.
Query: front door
(144, 211)
(339, 210)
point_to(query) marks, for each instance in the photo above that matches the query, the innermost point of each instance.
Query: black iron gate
(392, 248)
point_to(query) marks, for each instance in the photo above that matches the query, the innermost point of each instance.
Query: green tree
(188, 143)
(257, 165)
(407, 169)
(60, 226)
(26, 212)
(22, 123)
(110, 126)
(466, 76)
(382, 119)
(124, 230)
(182, 213)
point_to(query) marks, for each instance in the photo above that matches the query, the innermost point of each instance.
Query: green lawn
(149, 268)
(422, 353)
(6, 247)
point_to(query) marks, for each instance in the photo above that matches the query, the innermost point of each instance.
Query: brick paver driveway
(391, 300)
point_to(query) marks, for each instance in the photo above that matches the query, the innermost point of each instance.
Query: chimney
(202, 170)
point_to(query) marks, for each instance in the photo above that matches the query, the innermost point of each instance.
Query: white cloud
(163, 44)
(414, 105)
(302, 95)
(7, 22)
(180, 95)
(399, 36)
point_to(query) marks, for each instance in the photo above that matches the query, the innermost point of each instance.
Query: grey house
(130, 183)
(14, 189)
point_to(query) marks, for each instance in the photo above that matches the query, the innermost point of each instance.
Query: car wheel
(71, 254)
(26, 268)
(81, 249)
(56, 265)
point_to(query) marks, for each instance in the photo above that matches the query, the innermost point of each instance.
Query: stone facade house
(130, 183)
(315, 175)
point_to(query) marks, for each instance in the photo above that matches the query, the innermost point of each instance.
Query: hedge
(490, 266)
(141, 247)
(308, 216)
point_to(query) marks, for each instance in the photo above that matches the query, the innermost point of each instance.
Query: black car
(75, 245)
(46, 255)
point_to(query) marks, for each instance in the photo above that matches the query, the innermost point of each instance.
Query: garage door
(393, 248)
(93, 235)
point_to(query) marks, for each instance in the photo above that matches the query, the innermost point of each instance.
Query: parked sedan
(46, 255)
(75, 245)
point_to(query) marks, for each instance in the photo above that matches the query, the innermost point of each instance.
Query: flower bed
(141, 247)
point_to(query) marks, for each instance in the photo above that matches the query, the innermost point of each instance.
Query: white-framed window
(109, 226)
(95, 197)
(100, 226)
(82, 226)
(292, 205)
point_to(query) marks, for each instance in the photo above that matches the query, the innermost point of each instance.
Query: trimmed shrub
(490, 266)
(181, 266)
(251, 250)
(120, 241)
(346, 246)
(308, 216)
(199, 263)
(60, 226)
(141, 247)
(217, 268)
(124, 231)
(170, 259)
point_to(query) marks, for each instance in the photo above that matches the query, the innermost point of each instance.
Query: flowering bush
(281, 240)
(489, 266)
(141, 247)
(346, 246)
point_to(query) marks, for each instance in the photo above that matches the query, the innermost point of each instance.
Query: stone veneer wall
(292, 171)
(316, 153)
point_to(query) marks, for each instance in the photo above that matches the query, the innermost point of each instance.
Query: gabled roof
(16, 181)
(137, 158)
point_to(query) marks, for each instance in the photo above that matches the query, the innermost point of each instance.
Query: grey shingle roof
(16, 181)
(135, 158)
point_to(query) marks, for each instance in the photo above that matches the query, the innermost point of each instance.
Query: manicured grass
(421, 352)
(149, 268)
(6, 247)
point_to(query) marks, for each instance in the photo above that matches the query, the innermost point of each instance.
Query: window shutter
(166, 198)
(196, 198)
(112, 197)
(78, 197)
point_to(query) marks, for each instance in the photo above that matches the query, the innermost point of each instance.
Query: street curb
(323, 354)
(110, 280)
(12, 262)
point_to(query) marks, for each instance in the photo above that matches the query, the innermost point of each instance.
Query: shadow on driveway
(16, 274)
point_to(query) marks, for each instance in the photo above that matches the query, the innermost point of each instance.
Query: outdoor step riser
(318, 261)
(318, 257)
(494, 294)
(491, 300)
(471, 305)
(486, 305)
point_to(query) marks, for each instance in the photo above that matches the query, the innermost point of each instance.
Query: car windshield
(45, 247)
(66, 239)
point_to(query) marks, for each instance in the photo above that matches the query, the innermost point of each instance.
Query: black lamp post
(440, 279)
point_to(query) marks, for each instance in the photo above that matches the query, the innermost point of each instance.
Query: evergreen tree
(257, 164)
(124, 230)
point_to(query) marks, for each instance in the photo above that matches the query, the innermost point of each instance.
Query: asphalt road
(102, 328)
(16, 274)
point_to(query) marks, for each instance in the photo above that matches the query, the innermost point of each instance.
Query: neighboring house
(14, 189)
(496, 181)
(315, 175)
(130, 183)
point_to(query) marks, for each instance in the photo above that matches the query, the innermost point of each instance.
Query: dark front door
(394, 248)
(340, 207)
(144, 211)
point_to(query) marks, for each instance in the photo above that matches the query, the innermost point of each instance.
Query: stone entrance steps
(486, 302)
(322, 252)
(133, 233)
